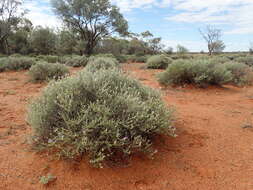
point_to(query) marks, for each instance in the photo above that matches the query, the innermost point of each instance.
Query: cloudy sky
(176, 21)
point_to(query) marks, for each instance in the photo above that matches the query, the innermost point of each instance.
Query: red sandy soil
(213, 150)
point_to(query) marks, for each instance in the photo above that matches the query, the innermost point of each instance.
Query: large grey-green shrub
(102, 115)
(44, 71)
(16, 63)
(242, 74)
(200, 72)
(158, 62)
(101, 63)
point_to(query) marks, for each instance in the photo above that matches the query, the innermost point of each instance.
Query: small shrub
(121, 58)
(48, 58)
(241, 73)
(248, 60)
(158, 62)
(44, 71)
(45, 180)
(105, 115)
(99, 63)
(16, 63)
(219, 59)
(199, 72)
(76, 61)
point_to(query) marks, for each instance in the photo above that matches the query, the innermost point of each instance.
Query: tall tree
(10, 14)
(92, 19)
(212, 36)
(43, 40)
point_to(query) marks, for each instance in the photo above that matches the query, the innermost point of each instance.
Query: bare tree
(9, 17)
(212, 36)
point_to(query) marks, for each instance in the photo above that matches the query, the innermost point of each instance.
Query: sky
(176, 21)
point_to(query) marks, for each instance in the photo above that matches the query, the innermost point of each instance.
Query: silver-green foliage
(158, 62)
(242, 74)
(76, 61)
(16, 63)
(101, 63)
(200, 72)
(44, 71)
(248, 60)
(103, 115)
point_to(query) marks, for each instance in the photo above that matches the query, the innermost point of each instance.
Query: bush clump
(16, 63)
(102, 63)
(76, 61)
(104, 116)
(44, 71)
(49, 58)
(199, 72)
(158, 62)
(241, 73)
(248, 60)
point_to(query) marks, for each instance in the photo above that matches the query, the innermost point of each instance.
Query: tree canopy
(92, 19)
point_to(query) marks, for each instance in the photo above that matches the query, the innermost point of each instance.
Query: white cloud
(40, 13)
(237, 14)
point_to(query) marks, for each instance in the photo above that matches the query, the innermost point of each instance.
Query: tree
(43, 40)
(251, 48)
(92, 19)
(10, 15)
(67, 42)
(212, 36)
(181, 49)
(19, 37)
(218, 46)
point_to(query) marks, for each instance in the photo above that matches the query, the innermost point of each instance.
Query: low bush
(248, 60)
(98, 63)
(48, 58)
(75, 61)
(104, 116)
(219, 59)
(158, 62)
(16, 63)
(241, 73)
(44, 71)
(200, 72)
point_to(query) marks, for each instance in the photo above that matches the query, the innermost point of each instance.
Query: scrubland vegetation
(101, 112)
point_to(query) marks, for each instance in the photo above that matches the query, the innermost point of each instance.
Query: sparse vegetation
(45, 180)
(103, 115)
(44, 71)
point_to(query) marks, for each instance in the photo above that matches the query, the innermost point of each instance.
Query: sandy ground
(213, 150)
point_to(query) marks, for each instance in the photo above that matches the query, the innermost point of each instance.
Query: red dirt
(213, 150)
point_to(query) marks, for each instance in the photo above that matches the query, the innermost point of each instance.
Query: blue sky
(176, 21)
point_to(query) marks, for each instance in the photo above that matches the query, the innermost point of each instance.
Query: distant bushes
(106, 115)
(199, 72)
(248, 60)
(158, 62)
(75, 61)
(44, 71)
(101, 63)
(16, 63)
(49, 58)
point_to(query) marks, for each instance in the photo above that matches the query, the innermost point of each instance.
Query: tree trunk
(89, 47)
